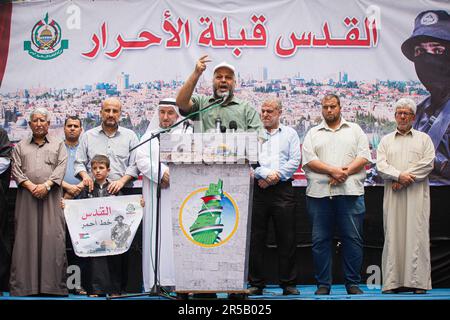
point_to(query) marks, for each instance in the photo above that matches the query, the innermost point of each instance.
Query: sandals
(80, 292)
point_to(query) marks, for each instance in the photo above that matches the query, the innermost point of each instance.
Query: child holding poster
(103, 273)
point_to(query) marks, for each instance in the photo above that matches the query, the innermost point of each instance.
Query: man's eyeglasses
(406, 114)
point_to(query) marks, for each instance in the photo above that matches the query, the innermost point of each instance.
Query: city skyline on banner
(368, 103)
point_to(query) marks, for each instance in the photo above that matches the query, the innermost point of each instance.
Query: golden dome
(46, 33)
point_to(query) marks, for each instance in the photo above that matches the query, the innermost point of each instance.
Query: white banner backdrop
(103, 226)
(68, 56)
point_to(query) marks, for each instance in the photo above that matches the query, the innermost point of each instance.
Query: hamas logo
(46, 43)
(130, 209)
(209, 216)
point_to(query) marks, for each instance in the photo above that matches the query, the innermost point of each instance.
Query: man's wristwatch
(47, 186)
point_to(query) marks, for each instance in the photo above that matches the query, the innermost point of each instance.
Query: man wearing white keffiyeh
(147, 159)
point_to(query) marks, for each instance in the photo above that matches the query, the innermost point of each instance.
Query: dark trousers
(276, 203)
(5, 245)
(107, 275)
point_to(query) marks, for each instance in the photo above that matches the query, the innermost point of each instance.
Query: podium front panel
(210, 209)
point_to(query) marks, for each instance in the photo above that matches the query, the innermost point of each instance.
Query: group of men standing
(44, 167)
(334, 156)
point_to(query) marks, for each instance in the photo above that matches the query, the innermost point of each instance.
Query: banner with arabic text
(103, 226)
(68, 56)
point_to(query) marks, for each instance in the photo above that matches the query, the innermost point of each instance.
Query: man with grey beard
(230, 109)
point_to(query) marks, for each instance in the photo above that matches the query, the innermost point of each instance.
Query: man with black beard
(429, 49)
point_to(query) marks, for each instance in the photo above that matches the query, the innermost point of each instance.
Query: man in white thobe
(404, 160)
(147, 159)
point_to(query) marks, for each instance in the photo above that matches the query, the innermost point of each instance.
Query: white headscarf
(154, 123)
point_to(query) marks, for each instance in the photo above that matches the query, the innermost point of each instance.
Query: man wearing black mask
(429, 49)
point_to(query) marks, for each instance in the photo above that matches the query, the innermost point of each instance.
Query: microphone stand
(156, 290)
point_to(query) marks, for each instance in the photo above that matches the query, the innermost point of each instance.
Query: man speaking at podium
(228, 107)
(225, 111)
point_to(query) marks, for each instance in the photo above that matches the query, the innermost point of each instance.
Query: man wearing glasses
(404, 160)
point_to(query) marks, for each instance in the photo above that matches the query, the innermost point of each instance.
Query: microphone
(233, 126)
(218, 125)
(213, 104)
(186, 126)
(223, 129)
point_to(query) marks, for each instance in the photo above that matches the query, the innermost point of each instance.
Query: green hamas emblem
(209, 217)
(207, 227)
(46, 40)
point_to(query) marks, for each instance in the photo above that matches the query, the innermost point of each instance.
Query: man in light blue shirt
(273, 196)
(71, 184)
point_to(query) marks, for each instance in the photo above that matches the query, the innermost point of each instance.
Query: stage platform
(338, 292)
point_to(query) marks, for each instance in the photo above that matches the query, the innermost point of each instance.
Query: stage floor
(338, 292)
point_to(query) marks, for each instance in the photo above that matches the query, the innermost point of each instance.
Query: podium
(211, 192)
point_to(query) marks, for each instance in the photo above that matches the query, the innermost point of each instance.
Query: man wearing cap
(404, 160)
(230, 108)
(147, 160)
(429, 49)
(120, 233)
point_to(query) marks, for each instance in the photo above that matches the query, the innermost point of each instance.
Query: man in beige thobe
(39, 255)
(404, 160)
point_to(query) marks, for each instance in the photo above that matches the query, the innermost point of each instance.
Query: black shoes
(204, 296)
(255, 291)
(290, 290)
(287, 291)
(321, 291)
(393, 291)
(182, 296)
(354, 290)
(237, 296)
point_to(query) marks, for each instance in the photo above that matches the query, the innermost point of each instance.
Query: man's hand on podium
(165, 180)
